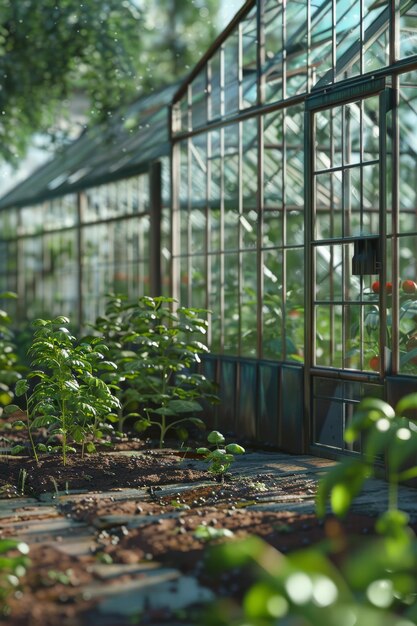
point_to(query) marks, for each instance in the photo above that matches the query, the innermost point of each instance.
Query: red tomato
(409, 286)
(375, 286)
(374, 363)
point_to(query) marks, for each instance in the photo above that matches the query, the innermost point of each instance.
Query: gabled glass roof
(135, 136)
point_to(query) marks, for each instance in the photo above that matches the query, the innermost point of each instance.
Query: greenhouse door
(345, 247)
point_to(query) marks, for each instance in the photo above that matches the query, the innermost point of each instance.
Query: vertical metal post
(81, 200)
(394, 172)
(20, 270)
(383, 109)
(155, 196)
(309, 330)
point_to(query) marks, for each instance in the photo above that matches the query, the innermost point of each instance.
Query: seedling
(209, 533)
(221, 457)
(22, 480)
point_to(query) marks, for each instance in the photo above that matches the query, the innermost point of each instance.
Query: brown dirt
(45, 599)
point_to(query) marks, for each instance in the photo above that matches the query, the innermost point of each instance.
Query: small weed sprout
(221, 457)
(22, 480)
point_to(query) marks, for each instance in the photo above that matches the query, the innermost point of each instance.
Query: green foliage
(222, 456)
(373, 586)
(69, 396)
(109, 50)
(156, 351)
(374, 582)
(13, 563)
(385, 434)
(9, 366)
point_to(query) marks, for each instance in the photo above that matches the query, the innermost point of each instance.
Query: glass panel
(328, 205)
(184, 280)
(166, 251)
(215, 302)
(296, 47)
(199, 100)
(231, 189)
(408, 28)
(231, 73)
(329, 336)
(348, 25)
(408, 153)
(32, 261)
(249, 59)
(294, 306)
(114, 200)
(198, 174)
(60, 274)
(231, 304)
(408, 304)
(352, 133)
(294, 158)
(272, 321)
(272, 228)
(198, 231)
(294, 227)
(376, 49)
(198, 281)
(32, 219)
(183, 114)
(272, 68)
(60, 212)
(249, 164)
(371, 129)
(370, 200)
(273, 161)
(9, 222)
(321, 60)
(249, 304)
(329, 273)
(216, 102)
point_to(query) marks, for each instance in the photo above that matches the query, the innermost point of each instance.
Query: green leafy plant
(387, 434)
(156, 351)
(69, 397)
(221, 456)
(373, 586)
(13, 564)
(9, 361)
(373, 581)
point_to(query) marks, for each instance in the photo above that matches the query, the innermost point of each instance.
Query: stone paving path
(153, 585)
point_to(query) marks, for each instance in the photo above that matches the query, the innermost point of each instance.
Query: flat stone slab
(157, 588)
(131, 521)
(114, 570)
(44, 530)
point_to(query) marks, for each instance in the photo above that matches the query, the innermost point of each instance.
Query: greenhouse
(281, 195)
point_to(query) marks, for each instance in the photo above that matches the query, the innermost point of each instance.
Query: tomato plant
(69, 397)
(157, 352)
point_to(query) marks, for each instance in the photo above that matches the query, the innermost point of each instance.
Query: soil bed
(116, 514)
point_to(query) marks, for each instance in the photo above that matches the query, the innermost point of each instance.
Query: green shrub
(157, 352)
